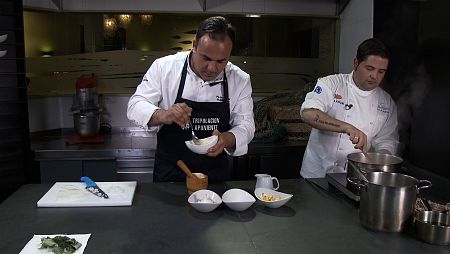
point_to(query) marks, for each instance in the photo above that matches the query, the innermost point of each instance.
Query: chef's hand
(225, 140)
(178, 113)
(358, 138)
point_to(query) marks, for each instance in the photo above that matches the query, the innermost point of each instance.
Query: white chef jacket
(373, 112)
(159, 88)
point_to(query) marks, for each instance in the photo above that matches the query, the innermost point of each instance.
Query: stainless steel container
(433, 227)
(87, 124)
(388, 200)
(381, 162)
(86, 98)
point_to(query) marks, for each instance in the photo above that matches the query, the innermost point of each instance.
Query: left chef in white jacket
(350, 113)
(201, 85)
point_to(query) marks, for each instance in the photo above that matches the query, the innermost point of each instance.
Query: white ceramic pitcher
(266, 181)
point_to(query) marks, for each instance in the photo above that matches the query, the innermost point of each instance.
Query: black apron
(206, 116)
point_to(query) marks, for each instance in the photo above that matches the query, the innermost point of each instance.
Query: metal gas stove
(339, 181)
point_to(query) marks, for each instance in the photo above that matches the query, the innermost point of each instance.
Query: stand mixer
(85, 108)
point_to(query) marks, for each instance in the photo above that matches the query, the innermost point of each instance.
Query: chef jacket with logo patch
(159, 88)
(373, 112)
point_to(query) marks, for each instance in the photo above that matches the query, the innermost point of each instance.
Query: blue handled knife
(92, 187)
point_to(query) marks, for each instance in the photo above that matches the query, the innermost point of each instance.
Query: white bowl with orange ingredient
(272, 198)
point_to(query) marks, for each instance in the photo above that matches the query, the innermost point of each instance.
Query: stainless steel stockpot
(387, 200)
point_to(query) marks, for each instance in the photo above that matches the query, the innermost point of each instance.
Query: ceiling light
(125, 20)
(146, 19)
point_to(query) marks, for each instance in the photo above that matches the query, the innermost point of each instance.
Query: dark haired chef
(350, 113)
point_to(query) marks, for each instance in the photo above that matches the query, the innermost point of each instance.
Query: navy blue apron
(206, 116)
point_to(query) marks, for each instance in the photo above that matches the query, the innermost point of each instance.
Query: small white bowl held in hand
(237, 199)
(204, 201)
(279, 198)
(206, 143)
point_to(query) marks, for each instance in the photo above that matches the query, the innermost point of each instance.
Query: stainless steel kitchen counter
(161, 221)
(52, 145)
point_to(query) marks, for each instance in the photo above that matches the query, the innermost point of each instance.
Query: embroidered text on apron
(206, 116)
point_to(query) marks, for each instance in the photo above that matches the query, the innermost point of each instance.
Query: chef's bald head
(217, 28)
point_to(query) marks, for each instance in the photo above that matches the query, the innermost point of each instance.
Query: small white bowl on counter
(204, 201)
(205, 144)
(237, 199)
(272, 198)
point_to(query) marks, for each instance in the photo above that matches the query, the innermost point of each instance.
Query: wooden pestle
(185, 169)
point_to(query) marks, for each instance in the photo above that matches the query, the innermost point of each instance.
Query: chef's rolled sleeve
(321, 97)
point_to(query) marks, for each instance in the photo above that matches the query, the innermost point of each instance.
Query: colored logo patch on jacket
(338, 99)
(318, 89)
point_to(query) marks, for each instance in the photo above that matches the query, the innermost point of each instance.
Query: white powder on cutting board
(115, 191)
(70, 193)
(73, 193)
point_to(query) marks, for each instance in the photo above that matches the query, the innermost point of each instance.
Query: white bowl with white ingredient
(272, 198)
(205, 144)
(204, 201)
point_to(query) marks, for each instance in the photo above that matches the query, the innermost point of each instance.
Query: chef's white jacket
(373, 112)
(159, 88)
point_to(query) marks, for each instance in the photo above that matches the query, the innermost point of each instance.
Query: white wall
(45, 113)
(356, 26)
(51, 112)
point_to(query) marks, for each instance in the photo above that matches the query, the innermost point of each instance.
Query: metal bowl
(433, 227)
(380, 162)
(87, 125)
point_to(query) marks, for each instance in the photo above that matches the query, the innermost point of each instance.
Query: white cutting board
(74, 194)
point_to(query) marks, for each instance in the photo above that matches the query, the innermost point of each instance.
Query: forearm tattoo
(317, 120)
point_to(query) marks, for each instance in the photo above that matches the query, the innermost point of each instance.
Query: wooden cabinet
(15, 154)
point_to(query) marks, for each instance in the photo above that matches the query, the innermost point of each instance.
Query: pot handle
(361, 172)
(421, 182)
(356, 181)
